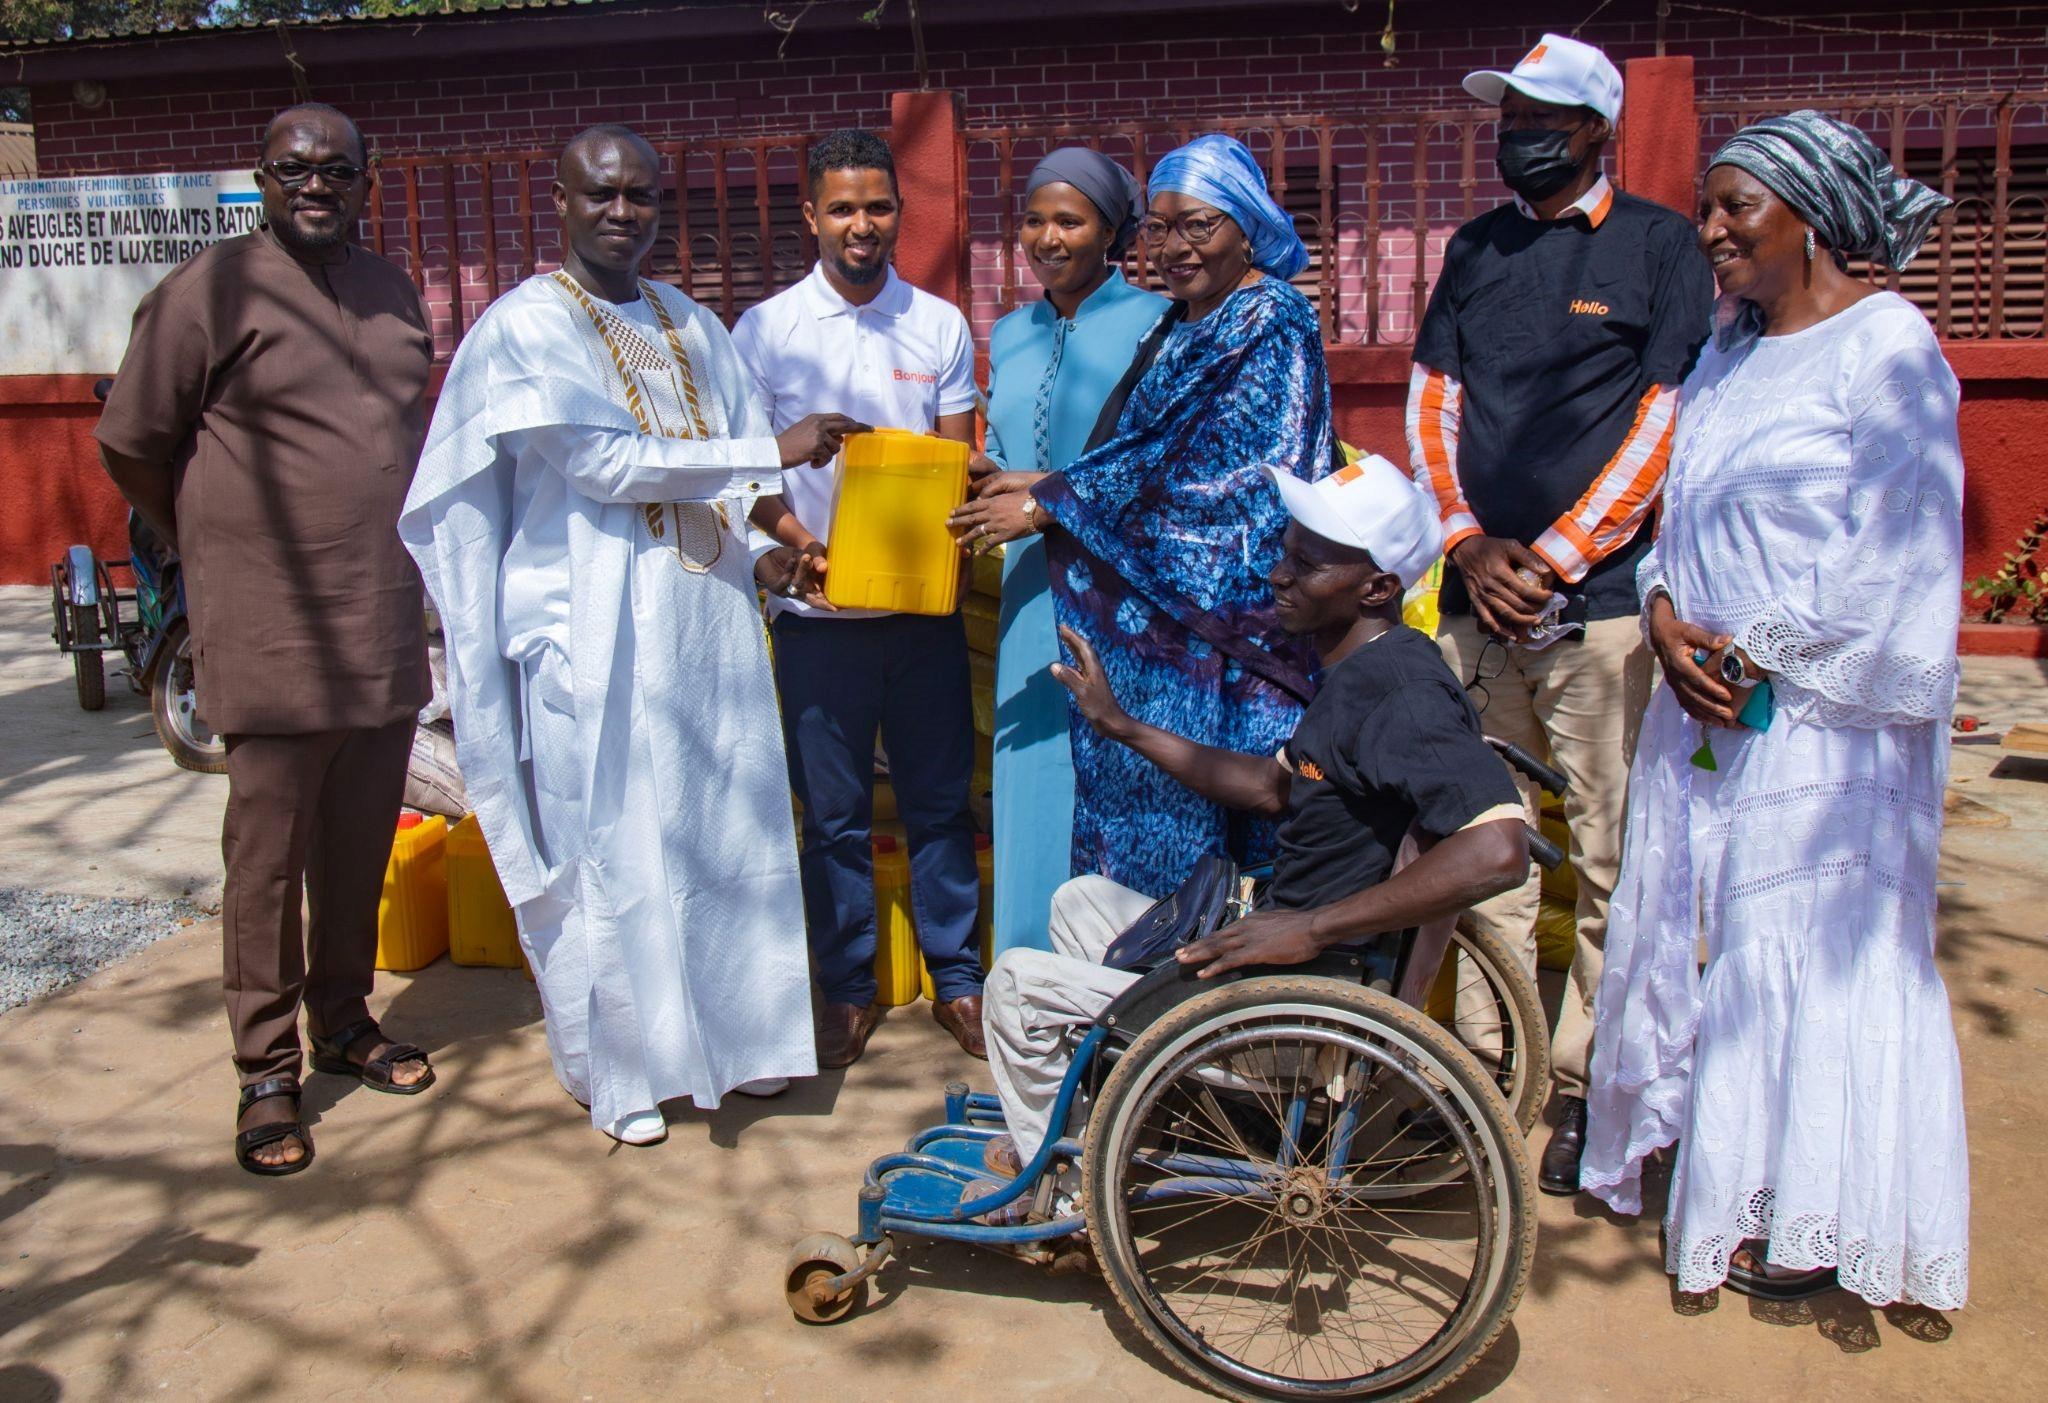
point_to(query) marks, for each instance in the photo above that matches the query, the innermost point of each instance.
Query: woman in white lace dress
(1812, 537)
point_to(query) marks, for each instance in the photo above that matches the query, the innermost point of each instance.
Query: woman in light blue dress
(1052, 367)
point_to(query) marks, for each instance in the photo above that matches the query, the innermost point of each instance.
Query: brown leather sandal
(331, 1055)
(247, 1142)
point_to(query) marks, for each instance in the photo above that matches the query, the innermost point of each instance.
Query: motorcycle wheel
(85, 662)
(174, 707)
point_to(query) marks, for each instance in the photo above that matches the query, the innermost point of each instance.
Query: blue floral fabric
(1168, 531)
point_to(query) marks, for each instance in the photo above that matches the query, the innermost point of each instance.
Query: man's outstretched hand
(815, 439)
(1092, 695)
(1264, 938)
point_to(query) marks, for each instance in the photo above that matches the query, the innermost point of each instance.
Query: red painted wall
(1311, 57)
(55, 491)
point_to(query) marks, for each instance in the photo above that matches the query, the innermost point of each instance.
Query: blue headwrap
(1217, 169)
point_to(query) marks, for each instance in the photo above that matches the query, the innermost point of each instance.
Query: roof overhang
(728, 28)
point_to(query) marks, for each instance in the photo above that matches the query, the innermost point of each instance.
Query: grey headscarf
(1109, 187)
(1837, 180)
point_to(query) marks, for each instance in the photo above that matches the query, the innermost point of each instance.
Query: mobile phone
(1756, 713)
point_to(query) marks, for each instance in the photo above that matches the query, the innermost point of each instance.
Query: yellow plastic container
(898, 965)
(1557, 933)
(890, 545)
(984, 778)
(984, 916)
(984, 921)
(980, 614)
(986, 573)
(981, 679)
(412, 914)
(481, 930)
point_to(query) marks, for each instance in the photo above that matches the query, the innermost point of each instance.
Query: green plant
(2018, 581)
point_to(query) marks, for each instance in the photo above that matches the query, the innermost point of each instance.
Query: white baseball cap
(1373, 506)
(1559, 71)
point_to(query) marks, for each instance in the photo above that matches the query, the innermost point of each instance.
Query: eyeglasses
(1495, 652)
(293, 175)
(1197, 228)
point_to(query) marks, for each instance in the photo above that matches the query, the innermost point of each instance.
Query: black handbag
(1196, 910)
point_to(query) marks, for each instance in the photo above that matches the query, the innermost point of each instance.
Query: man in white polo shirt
(854, 338)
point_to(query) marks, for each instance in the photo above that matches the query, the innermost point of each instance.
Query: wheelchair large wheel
(1487, 999)
(1247, 1184)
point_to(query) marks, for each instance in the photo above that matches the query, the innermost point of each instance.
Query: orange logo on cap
(1310, 770)
(1347, 473)
(1535, 55)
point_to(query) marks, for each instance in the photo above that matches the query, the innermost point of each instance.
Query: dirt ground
(482, 1242)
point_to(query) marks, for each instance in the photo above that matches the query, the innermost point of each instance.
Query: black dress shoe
(1559, 1173)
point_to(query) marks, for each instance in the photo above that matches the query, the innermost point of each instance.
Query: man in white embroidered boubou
(580, 517)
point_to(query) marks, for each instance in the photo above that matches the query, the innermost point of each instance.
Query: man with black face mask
(1540, 413)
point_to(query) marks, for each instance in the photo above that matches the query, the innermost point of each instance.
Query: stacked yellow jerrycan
(898, 965)
(412, 913)
(481, 930)
(1557, 924)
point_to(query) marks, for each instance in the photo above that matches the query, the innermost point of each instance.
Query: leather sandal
(247, 1142)
(331, 1055)
(1764, 1282)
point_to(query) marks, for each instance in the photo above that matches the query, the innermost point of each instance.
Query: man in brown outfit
(266, 421)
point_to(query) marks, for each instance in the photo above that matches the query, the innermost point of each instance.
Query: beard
(293, 237)
(858, 275)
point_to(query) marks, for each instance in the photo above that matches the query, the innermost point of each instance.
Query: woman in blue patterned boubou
(1158, 537)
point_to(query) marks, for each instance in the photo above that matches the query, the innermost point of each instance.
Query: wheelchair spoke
(1296, 1275)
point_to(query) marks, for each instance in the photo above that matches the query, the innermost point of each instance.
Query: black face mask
(1536, 164)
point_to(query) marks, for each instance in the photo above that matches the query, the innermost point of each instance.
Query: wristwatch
(1732, 670)
(1031, 512)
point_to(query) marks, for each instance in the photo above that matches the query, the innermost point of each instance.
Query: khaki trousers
(1033, 998)
(1578, 704)
(312, 814)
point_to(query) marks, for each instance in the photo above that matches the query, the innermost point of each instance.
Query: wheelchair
(1299, 1182)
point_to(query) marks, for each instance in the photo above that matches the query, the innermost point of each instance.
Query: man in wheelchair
(1390, 746)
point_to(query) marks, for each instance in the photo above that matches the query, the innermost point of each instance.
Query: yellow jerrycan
(898, 963)
(412, 913)
(889, 545)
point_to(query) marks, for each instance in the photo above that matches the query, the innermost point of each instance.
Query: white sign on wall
(78, 252)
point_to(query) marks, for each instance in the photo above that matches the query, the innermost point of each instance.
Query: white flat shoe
(640, 1128)
(763, 1086)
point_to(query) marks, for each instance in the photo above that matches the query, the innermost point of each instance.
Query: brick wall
(1385, 241)
(1328, 63)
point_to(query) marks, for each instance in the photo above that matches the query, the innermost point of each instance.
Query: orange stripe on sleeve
(1432, 423)
(1608, 515)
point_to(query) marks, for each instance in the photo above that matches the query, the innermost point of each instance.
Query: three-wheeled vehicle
(92, 615)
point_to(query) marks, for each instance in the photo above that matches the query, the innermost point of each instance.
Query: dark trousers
(312, 814)
(841, 681)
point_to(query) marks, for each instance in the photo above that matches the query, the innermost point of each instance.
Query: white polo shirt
(898, 362)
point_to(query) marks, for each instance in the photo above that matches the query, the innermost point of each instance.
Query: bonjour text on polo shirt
(1545, 386)
(897, 362)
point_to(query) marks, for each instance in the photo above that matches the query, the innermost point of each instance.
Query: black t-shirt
(1556, 330)
(1389, 743)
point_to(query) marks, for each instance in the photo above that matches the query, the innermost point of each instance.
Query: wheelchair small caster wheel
(808, 1272)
